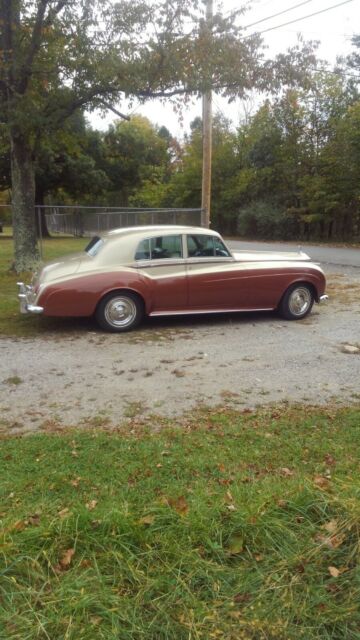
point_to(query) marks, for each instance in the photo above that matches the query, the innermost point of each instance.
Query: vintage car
(126, 274)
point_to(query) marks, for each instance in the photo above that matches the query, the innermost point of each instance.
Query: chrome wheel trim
(300, 301)
(120, 311)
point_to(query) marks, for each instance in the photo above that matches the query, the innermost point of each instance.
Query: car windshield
(94, 246)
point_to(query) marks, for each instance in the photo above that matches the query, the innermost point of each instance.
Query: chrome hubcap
(300, 301)
(120, 311)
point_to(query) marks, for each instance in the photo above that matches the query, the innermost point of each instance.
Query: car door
(161, 262)
(216, 281)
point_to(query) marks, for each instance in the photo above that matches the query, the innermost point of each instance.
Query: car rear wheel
(118, 312)
(297, 302)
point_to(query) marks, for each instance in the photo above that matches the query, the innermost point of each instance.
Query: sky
(333, 29)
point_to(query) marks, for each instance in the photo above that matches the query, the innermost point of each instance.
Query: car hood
(61, 268)
(270, 256)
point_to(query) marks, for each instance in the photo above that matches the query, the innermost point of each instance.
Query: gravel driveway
(169, 366)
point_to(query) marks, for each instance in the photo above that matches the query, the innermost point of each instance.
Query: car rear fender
(79, 296)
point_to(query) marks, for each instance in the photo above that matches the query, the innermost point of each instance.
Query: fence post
(38, 211)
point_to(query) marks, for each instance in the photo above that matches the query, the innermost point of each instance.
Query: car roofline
(153, 230)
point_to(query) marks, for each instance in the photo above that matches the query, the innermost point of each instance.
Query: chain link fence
(87, 221)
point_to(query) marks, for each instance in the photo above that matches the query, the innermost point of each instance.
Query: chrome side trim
(194, 312)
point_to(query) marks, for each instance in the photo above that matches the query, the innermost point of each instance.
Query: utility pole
(207, 137)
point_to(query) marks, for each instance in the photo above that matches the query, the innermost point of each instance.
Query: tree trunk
(23, 201)
(40, 220)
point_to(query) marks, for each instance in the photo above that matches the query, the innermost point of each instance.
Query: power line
(280, 13)
(310, 15)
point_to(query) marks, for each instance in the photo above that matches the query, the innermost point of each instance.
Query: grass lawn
(232, 526)
(11, 321)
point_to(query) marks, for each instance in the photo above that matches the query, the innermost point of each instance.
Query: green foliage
(137, 158)
(291, 171)
(241, 526)
(264, 219)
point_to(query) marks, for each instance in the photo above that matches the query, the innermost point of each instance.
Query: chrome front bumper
(26, 296)
(323, 298)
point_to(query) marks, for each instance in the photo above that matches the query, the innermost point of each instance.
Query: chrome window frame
(203, 259)
(156, 262)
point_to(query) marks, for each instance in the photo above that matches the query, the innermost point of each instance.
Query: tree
(135, 153)
(58, 56)
(68, 164)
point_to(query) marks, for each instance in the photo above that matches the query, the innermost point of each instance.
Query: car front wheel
(297, 302)
(118, 312)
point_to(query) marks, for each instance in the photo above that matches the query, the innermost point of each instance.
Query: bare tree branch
(111, 108)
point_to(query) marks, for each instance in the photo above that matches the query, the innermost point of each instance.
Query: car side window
(143, 250)
(202, 246)
(159, 248)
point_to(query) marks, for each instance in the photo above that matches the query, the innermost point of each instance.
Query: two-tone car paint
(240, 281)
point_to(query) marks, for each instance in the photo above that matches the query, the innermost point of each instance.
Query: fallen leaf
(34, 520)
(228, 497)
(332, 542)
(67, 558)
(329, 459)
(85, 564)
(242, 597)
(75, 482)
(225, 481)
(321, 482)
(330, 526)
(64, 512)
(149, 519)
(180, 505)
(287, 473)
(95, 620)
(231, 507)
(334, 572)
(91, 505)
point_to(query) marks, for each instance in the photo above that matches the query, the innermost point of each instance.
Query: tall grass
(232, 526)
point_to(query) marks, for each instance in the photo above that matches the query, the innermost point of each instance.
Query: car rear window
(94, 246)
(159, 248)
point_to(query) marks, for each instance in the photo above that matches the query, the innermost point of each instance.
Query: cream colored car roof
(154, 230)
(122, 243)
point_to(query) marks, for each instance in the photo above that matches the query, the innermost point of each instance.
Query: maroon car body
(125, 274)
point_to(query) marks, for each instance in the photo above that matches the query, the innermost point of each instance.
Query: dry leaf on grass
(321, 482)
(180, 505)
(149, 519)
(91, 505)
(287, 473)
(330, 526)
(66, 559)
